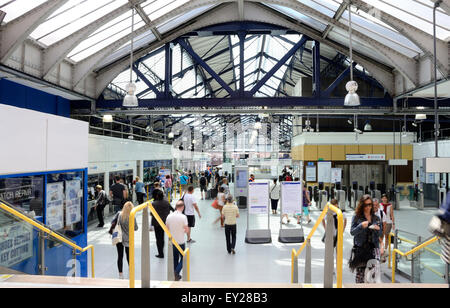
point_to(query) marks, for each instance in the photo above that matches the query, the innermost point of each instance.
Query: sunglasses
(368, 204)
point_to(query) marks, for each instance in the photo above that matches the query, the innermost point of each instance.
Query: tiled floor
(266, 263)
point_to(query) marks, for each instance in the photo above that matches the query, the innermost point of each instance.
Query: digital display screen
(241, 179)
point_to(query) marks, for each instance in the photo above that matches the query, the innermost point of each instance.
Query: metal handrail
(51, 233)
(405, 254)
(186, 253)
(340, 242)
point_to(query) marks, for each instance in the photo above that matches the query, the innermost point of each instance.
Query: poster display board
(291, 197)
(310, 173)
(258, 201)
(16, 243)
(55, 205)
(336, 175)
(74, 193)
(324, 172)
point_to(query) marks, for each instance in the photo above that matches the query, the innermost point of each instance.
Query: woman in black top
(163, 208)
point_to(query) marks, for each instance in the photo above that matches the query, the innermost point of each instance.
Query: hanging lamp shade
(352, 98)
(368, 127)
(421, 116)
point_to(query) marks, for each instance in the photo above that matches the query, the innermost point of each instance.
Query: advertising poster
(258, 198)
(336, 175)
(324, 172)
(55, 205)
(291, 197)
(310, 173)
(73, 202)
(16, 243)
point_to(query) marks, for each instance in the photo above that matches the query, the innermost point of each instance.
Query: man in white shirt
(190, 204)
(178, 225)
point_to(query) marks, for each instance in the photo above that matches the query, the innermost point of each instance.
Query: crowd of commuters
(372, 222)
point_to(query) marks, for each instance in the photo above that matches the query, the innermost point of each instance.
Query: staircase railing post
(308, 260)
(145, 252)
(170, 269)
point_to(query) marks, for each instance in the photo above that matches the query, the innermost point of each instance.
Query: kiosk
(241, 176)
(258, 203)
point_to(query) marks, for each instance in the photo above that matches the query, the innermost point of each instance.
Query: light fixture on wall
(352, 98)
(131, 99)
(107, 118)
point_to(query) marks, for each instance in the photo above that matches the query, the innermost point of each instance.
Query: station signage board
(366, 157)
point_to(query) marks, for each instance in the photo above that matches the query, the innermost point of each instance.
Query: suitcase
(208, 194)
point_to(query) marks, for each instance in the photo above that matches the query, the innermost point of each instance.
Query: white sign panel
(73, 202)
(258, 198)
(375, 157)
(16, 243)
(310, 173)
(336, 175)
(55, 205)
(291, 197)
(324, 172)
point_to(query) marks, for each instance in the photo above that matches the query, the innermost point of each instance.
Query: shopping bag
(117, 234)
(215, 204)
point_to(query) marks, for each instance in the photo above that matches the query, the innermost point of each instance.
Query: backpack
(203, 181)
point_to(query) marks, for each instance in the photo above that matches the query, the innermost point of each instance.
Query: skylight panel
(16, 8)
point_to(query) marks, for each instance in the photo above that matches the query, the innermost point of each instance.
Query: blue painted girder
(245, 102)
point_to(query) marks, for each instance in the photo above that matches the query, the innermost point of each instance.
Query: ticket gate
(442, 195)
(323, 199)
(341, 197)
(419, 199)
(398, 197)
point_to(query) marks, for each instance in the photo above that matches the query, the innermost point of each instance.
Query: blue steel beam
(168, 70)
(147, 82)
(337, 81)
(203, 64)
(245, 102)
(316, 69)
(279, 65)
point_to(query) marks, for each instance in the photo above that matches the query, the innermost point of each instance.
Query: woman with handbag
(366, 229)
(120, 227)
(219, 203)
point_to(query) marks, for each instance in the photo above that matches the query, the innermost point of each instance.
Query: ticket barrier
(341, 197)
(442, 195)
(418, 201)
(323, 199)
(356, 196)
(398, 197)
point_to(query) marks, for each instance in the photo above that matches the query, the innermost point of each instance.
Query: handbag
(215, 204)
(360, 255)
(117, 233)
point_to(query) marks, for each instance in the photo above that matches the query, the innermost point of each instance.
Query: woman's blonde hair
(126, 211)
(138, 179)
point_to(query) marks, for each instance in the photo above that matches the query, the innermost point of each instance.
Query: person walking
(230, 212)
(177, 223)
(163, 208)
(388, 209)
(366, 231)
(306, 204)
(274, 195)
(100, 204)
(139, 188)
(380, 213)
(225, 186)
(122, 218)
(203, 183)
(190, 204)
(184, 179)
(118, 193)
(221, 199)
(168, 186)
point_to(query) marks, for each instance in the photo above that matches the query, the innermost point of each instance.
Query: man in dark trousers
(119, 194)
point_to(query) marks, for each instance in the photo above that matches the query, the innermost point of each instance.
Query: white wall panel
(37, 142)
(67, 146)
(23, 137)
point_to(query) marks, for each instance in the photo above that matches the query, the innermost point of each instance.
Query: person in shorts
(190, 204)
(203, 183)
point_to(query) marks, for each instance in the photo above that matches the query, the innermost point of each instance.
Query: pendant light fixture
(131, 99)
(352, 98)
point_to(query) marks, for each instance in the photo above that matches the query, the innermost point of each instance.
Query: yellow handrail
(50, 233)
(133, 213)
(395, 251)
(340, 242)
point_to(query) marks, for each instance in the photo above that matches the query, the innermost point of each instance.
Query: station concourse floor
(265, 263)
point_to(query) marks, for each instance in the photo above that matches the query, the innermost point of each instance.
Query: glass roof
(112, 34)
